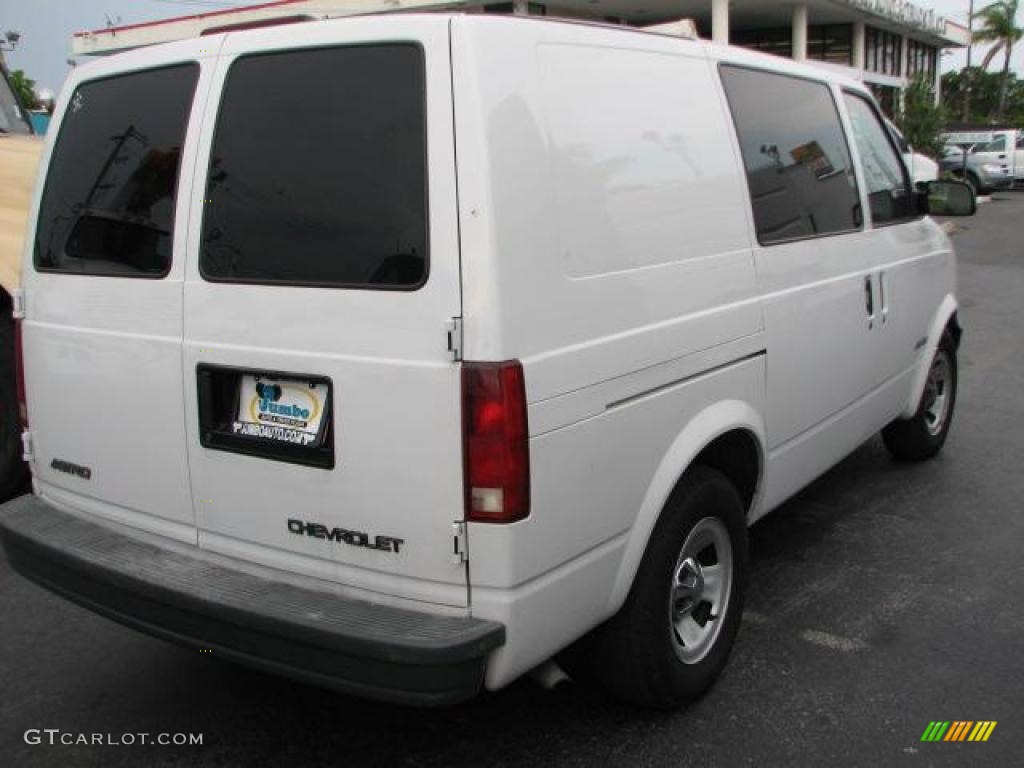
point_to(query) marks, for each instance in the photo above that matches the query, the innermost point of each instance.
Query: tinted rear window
(318, 170)
(108, 204)
(798, 164)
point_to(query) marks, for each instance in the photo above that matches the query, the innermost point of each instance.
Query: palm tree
(24, 88)
(999, 26)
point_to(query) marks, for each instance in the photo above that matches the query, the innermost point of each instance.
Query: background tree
(999, 26)
(922, 120)
(985, 92)
(24, 89)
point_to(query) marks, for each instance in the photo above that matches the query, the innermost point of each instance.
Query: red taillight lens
(19, 375)
(495, 442)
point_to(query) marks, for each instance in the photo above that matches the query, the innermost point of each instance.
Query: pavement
(883, 597)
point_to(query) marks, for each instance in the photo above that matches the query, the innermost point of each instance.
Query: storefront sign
(904, 13)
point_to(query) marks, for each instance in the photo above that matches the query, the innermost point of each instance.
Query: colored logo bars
(958, 730)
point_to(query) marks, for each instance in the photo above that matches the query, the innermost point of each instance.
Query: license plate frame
(220, 400)
(281, 409)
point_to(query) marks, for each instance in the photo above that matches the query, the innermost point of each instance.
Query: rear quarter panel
(606, 244)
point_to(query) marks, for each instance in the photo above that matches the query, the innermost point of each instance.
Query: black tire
(921, 437)
(13, 472)
(635, 654)
(976, 185)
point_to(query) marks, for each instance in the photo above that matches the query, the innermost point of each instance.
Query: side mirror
(949, 198)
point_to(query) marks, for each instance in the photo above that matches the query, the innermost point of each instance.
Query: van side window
(108, 204)
(798, 164)
(890, 195)
(317, 174)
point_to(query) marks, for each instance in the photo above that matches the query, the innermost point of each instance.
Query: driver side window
(890, 195)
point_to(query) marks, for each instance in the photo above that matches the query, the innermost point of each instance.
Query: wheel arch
(727, 436)
(945, 317)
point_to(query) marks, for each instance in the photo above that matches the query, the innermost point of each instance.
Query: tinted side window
(318, 170)
(798, 165)
(108, 203)
(890, 195)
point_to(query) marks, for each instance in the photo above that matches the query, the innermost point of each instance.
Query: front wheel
(923, 435)
(671, 639)
(975, 182)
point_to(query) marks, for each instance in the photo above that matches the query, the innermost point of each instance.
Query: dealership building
(885, 43)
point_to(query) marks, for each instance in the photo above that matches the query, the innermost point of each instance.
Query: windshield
(12, 117)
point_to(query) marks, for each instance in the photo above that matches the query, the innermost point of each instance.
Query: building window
(825, 42)
(532, 9)
(830, 42)
(886, 96)
(882, 51)
(921, 60)
(777, 41)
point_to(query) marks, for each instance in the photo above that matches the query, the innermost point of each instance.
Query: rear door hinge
(27, 453)
(454, 329)
(460, 547)
(18, 304)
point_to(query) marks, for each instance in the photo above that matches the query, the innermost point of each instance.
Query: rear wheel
(13, 471)
(673, 636)
(923, 435)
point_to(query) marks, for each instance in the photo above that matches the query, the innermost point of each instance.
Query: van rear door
(323, 404)
(103, 325)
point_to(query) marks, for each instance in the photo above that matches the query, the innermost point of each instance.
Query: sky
(46, 27)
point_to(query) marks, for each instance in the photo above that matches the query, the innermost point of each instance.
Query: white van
(922, 168)
(401, 353)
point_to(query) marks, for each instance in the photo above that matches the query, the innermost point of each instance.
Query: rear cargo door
(103, 325)
(323, 403)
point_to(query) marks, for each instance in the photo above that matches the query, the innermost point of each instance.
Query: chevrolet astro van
(402, 354)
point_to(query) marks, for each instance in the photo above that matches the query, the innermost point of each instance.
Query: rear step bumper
(355, 646)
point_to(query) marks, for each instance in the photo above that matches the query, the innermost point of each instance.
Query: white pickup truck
(1000, 147)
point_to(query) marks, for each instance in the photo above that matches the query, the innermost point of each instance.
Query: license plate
(281, 410)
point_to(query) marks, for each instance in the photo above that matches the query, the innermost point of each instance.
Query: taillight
(495, 442)
(19, 375)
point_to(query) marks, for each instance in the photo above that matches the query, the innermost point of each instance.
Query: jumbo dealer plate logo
(284, 411)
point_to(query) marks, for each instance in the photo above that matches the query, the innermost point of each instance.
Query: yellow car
(19, 156)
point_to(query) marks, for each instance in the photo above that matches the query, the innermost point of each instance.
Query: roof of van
(730, 53)
(210, 45)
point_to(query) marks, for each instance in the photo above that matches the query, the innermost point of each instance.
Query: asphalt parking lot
(883, 597)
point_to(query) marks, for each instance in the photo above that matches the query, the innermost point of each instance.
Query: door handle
(883, 299)
(869, 300)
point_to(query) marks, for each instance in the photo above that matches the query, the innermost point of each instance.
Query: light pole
(8, 43)
(968, 74)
